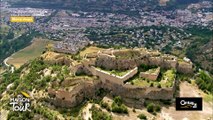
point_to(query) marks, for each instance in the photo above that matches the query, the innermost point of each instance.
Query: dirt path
(188, 90)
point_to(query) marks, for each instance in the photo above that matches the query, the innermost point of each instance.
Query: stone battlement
(119, 60)
(150, 75)
(128, 59)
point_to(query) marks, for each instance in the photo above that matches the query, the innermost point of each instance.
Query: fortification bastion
(128, 59)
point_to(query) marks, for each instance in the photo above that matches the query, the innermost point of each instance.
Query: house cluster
(72, 44)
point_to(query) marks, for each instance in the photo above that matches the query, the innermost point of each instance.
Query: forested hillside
(8, 45)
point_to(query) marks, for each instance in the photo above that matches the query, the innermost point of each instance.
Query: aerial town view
(106, 60)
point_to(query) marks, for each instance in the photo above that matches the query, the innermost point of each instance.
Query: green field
(31, 52)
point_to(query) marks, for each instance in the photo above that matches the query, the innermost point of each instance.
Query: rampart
(117, 87)
(115, 84)
(150, 76)
(185, 67)
(111, 62)
(118, 79)
(67, 99)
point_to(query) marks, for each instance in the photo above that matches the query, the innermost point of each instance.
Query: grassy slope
(28, 53)
(90, 49)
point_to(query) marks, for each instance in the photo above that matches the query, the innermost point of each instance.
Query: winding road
(7, 65)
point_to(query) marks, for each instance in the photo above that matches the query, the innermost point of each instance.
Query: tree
(157, 108)
(118, 100)
(150, 107)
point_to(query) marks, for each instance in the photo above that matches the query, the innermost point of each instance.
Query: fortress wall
(117, 79)
(75, 68)
(89, 62)
(71, 82)
(169, 64)
(185, 68)
(149, 92)
(149, 76)
(106, 61)
(155, 61)
(141, 60)
(130, 74)
(83, 70)
(110, 62)
(75, 97)
(61, 60)
(125, 64)
(104, 75)
(128, 92)
(64, 51)
(134, 92)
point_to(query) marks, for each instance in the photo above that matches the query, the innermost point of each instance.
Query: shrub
(97, 114)
(151, 85)
(124, 108)
(118, 100)
(146, 103)
(119, 108)
(150, 107)
(133, 110)
(142, 117)
(157, 108)
(105, 105)
(166, 102)
(159, 86)
(154, 113)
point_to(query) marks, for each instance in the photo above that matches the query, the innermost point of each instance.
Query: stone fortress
(124, 59)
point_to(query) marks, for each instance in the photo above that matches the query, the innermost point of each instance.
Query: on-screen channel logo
(189, 103)
(21, 102)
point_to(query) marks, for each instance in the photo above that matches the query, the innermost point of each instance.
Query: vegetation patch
(204, 82)
(168, 78)
(165, 79)
(98, 114)
(30, 52)
(126, 54)
(105, 105)
(152, 108)
(142, 117)
(115, 72)
(118, 106)
(16, 44)
(90, 49)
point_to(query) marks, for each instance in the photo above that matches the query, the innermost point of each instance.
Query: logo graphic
(22, 19)
(189, 103)
(21, 102)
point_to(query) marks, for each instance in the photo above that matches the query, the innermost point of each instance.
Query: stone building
(115, 84)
